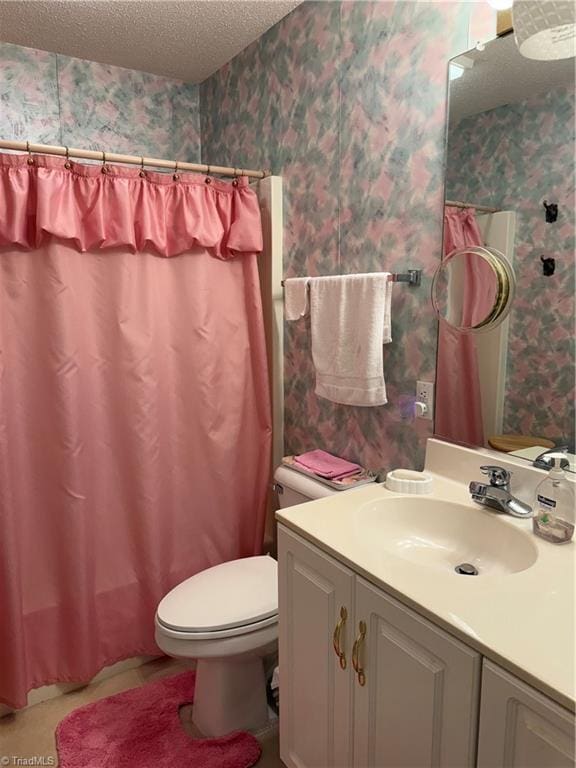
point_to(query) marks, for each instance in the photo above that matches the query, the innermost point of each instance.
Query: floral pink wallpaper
(515, 157)
(54, 99)
(346, 100)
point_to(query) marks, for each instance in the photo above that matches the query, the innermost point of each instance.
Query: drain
(466, 569)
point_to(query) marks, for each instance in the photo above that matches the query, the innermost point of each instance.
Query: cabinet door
(521, 728)
(418, 706)
(315, 692)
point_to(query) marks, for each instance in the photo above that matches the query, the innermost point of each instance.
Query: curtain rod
(114, 157)
(485, 208)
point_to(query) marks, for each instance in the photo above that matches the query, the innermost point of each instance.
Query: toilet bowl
(226, 618)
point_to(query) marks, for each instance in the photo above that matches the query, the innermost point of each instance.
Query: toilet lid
(232, 594)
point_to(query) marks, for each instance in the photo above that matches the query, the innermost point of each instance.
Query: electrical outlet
(425, 394)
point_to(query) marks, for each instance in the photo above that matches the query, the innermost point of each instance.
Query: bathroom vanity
(390, 658)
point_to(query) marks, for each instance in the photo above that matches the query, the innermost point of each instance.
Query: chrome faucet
(497, 495)
(543, 461)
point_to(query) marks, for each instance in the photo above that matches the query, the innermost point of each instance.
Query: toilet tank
(295, 488)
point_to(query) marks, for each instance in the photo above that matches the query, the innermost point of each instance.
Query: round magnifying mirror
(473, 289)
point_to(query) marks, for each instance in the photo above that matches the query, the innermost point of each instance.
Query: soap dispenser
(554, 514)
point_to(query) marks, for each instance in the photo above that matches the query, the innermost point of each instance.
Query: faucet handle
(499, 477)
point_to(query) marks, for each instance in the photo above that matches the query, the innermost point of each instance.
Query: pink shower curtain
(134, 408)
(458, 396)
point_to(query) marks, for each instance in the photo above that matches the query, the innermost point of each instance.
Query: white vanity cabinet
(366, 682)
(418, 705)
(315, 691)
(406, 693)
(521, 728)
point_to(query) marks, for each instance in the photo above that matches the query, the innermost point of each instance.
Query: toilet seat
(229, 627)
(234, 598)
(244, 629)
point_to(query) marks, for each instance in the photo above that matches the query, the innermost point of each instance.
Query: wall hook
(551, 211)
(548, 265)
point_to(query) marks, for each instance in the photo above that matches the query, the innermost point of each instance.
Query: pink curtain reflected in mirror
(458, 396)
(134, 406)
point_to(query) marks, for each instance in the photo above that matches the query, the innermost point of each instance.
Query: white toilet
(227, 619)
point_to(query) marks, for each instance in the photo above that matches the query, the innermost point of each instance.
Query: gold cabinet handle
(336, 637)
(356, 653)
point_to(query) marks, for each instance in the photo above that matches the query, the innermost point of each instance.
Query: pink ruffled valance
(121, 208)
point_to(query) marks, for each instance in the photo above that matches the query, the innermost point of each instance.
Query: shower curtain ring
(67, 164)
(142, 171)
(208, 180)
(104, 169)
(176, 175)
(30, 158)
(235, 181)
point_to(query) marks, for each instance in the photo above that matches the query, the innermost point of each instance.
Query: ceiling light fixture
(545, 29)
(501, 5)
(455, 71)
(458, 66)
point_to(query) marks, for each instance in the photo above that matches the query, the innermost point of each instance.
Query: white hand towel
(350, 318)
(295, 297)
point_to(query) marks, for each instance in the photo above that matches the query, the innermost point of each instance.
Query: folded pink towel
(326, 465)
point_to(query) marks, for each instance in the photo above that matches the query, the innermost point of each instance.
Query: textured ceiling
(183, 39)
(501, 75)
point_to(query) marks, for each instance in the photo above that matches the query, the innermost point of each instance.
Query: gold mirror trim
(502, 294)
(505, 285)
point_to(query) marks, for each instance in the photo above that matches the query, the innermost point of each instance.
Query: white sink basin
(442, 535)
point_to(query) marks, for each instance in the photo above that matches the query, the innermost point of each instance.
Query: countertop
(523, 621)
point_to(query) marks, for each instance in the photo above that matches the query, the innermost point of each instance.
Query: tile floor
(30, 732)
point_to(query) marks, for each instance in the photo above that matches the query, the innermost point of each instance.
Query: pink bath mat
(141, 728)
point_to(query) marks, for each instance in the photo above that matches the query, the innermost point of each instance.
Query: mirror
(510, 189)
(473, 289)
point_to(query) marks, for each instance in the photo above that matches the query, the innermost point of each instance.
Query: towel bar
(413, 277)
